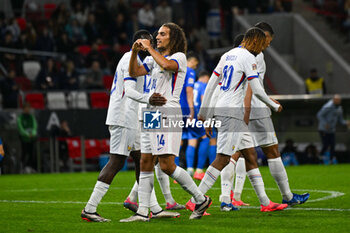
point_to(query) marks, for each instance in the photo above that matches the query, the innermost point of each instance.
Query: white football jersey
(258, 108)
(234, 68)
(123, 111)
(167, 83)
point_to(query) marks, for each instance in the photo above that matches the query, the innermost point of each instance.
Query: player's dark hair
(254, 40)
(142, 34)
(265, 27)
(178, 42)
(238, 40)
(204, 73)
(192, 54)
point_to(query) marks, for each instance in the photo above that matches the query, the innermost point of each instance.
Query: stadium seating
(84, 49)
(56, 100)
(104, 145)
(78, 99)
(36, 100)
(99, 99)
(24, 83)
(108, 81)
(49, 8)
(74, 147)
(92, 148)
(31, 69)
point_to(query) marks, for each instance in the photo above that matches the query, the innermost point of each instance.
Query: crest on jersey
(152, 119)
(254, 67)
(129, 148)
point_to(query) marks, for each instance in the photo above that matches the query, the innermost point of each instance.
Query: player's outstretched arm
(260, 93)
(212, 84)
(166, 64)
(134, 69)
(130, 91)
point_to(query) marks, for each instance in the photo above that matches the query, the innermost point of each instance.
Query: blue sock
(202, 153)
(190, 152)
(212, 153)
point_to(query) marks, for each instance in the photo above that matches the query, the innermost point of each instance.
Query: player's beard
(161, 50)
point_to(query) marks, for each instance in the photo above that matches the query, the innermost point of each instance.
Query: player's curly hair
(178, 42)
(254, 40)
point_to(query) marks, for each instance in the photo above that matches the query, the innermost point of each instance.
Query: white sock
(208, 180)
(146, 182)
(241, 174)
(190, 171)
(279, 173)
(227, 177)
(100, 190)
(163, 180)
(186, 182)
(153, 203)
(134, 192)
(258, 185)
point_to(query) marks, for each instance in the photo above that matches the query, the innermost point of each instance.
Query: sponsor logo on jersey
(129, 148)
(152, 119)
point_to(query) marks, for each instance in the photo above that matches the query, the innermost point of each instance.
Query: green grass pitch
(53, 202)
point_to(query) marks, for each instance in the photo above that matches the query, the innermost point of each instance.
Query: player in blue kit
(186, 101)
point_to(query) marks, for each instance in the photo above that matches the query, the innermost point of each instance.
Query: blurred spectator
(289, 153)
(69, 78)
(121, 7)
(31, 35)
(146, 17)
(315, 84)
(119, 30)
(346, 23)
(163, 13)
(45, 41)
(330, 114)
(47, 78)
(95, 55)
(75, 32)
(80, 13)
(64, 44)
(310, 156)
(91, 29)
(9, 91)
(205, 62)
(8, 59)
(27, 127)
(2, 153)
(14, 29)
(63, 131)
(114, 56)
(93, 78)
(61, 14)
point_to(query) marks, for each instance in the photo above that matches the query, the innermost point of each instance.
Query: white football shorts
(233, 135)
(263, 132)
(122, 140)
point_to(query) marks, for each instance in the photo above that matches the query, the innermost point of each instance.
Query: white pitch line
(332, 194)
(120, 203)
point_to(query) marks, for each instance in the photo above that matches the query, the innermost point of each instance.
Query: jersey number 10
(226, 80)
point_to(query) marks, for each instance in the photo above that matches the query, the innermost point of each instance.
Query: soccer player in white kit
(261, 127)
(123, 122)
(234, 69)
(168, 70)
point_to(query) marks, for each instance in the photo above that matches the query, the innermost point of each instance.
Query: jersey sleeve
(250, 67)
(148, 63)
(181, 61)
(219, 67)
